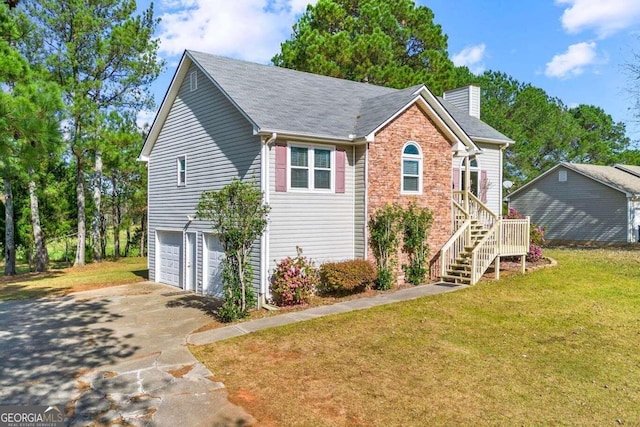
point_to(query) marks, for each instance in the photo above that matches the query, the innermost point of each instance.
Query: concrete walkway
(244, 328)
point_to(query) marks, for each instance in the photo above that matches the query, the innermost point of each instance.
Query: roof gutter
(503, 142)
(351, 139)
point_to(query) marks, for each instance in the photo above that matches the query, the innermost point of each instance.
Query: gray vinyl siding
(322, 224)
(579, 210)
(466, 99)
(219, 145)
(489, 161)
(360, 194)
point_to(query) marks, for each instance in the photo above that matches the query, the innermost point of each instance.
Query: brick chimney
(465, 98)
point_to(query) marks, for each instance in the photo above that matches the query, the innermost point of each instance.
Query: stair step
(459, 273)
(460, 267)
(456, 279)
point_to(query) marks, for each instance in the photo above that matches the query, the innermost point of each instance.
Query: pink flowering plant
(536, 237)
(294, 281)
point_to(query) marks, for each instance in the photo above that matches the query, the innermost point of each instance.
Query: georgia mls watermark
(31, 416)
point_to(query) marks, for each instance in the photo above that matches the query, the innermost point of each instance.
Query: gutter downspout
(264, 239)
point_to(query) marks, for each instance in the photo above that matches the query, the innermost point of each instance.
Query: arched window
(411, 169)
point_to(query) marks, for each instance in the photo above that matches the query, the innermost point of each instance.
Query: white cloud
(244, 29)
(572, 62)
(603, 17)
(471, 56)
(144, 119)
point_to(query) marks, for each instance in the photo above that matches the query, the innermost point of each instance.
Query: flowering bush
(294, 281)
(536, 237)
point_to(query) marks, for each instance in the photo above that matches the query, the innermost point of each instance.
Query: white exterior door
(169, 257)
(190, 262)
(212, 268)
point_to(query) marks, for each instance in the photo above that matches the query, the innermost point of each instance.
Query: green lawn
(62, 281)
(558, 346)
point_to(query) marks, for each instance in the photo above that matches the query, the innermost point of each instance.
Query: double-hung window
(181, 169)
(411, 169)
(311, 168)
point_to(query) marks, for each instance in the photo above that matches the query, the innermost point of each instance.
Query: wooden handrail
(457, 241)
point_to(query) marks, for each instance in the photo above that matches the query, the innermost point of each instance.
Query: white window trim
(413, 157)
(311, 168)
(193, 80)
(178, 181)
(476, 169)
(562, 175)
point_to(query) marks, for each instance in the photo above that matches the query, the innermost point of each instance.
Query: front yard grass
(558, 346)
(62, 281)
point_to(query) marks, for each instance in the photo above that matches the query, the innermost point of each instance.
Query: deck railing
(454, 247)
(487, 249)
(504, 237)
(477, 209)
(514, 236)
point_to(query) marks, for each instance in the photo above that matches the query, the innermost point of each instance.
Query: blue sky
(574, 49)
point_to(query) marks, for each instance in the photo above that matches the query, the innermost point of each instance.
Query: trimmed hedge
(346, 276)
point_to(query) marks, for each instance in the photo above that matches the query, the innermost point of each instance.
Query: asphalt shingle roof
(279, 99)
(473, 126)
(610, 175)
(630, 168)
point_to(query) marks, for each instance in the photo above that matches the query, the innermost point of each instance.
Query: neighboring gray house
(325, 152)
(583, 203)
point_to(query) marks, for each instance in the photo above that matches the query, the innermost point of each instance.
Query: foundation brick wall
(385, 170)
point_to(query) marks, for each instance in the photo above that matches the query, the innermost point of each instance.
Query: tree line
(398, 44)
(74, 75)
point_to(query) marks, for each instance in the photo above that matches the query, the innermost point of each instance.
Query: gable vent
(193, 80)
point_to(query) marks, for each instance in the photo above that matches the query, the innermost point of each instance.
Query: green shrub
(416, 224)
(294, 281)
(384, 237)
(346, 276)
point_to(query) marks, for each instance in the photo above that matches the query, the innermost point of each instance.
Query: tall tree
(388, 43)
(545, 130)
(37, 130)
(124, 174)
(104, 57)
(12, 67)
(601, 140)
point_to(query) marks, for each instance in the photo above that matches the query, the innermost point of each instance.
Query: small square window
(562, 175)
(182, 170)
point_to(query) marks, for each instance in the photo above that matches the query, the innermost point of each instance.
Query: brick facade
(384, 171)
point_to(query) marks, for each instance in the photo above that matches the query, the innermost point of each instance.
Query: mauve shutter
(340, 170)
(456, 179)
(281, 167)
(483, 186)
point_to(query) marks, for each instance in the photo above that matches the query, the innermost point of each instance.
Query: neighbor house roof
(610, 176)
(291, 102)
(635, 170)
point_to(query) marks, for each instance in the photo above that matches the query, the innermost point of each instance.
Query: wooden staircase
(460, 271)
(480, 238)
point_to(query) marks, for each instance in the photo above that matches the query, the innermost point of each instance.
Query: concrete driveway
(113, 356)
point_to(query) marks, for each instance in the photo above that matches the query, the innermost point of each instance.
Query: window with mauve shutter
(340, 170)
(281, 167)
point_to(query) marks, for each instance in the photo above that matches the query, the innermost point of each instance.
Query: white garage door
(212, 271)
(170, 257)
